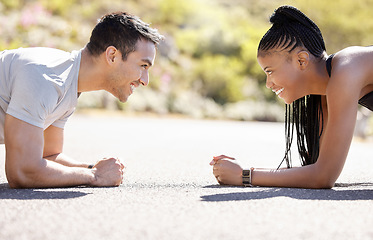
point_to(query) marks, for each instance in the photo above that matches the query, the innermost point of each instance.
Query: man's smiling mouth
(133, 87)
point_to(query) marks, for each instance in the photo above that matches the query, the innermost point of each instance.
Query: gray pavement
(170, 193)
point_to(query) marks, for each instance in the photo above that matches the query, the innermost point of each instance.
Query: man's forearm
(50, 174)
(66, 160)
(27, 149)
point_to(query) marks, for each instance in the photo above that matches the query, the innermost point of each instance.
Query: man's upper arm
(24, 146)
(53, 141)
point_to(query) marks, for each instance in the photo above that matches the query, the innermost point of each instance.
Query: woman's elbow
(323, 181)
(324, 184)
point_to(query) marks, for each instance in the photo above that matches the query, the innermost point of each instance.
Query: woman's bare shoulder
(354, 55)
(356, 62)
(351, 69)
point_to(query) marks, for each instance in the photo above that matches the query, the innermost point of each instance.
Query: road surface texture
(169, 191)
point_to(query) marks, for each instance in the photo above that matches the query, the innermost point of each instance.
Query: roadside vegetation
(206, 67)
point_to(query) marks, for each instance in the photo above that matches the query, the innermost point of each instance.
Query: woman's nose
(269, 84)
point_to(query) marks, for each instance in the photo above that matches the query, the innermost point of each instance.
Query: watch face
(246, 173)
(246, 178)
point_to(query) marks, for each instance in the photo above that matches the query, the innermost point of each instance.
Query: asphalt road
(170, 193)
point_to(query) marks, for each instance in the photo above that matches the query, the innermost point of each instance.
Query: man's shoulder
(42, 61)
(40, 54)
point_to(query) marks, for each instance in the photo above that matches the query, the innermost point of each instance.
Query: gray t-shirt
(38, 86)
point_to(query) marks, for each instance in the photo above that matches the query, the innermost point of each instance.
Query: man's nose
(144, 80)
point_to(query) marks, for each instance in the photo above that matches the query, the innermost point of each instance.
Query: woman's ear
(303, 59)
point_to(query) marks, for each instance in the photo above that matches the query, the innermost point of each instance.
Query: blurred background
(206, 67)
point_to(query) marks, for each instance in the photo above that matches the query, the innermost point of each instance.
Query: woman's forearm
(298, 177)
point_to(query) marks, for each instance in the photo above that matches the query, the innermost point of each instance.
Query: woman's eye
(269, 72)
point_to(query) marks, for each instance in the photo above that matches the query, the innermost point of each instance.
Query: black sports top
(366, 101)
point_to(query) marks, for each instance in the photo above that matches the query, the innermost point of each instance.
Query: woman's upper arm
(337, 136)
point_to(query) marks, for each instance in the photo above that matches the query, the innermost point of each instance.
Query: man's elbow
(22, 178)
(15, 181)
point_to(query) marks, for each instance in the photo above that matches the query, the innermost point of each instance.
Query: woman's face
(283, 74)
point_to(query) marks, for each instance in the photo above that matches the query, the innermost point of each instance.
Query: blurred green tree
(210, 45)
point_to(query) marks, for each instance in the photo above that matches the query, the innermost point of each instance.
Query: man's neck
(91, 72)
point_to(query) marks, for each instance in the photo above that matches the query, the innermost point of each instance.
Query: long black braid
(291, 29)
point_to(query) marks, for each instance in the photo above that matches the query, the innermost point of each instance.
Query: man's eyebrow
(148, 62)
(264, 69)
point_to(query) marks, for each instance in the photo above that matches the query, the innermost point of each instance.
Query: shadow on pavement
(295, 193)
(32, 194)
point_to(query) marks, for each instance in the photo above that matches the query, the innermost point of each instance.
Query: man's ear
(111, 54)
(303, 59)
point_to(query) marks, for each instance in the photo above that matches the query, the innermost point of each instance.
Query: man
(39, 88)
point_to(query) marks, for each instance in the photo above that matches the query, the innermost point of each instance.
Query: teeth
(132, 87)
(279, 91)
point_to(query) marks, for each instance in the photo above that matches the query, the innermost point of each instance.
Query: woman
(322, 93)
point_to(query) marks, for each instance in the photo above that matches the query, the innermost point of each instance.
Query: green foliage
(12, 4)
(175, 13)
(221, 78)
(210, 47)
(224, 50)
(59, 7)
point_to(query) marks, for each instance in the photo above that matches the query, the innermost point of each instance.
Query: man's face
(133, 72)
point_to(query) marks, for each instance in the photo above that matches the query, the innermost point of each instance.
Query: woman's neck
(318, 77)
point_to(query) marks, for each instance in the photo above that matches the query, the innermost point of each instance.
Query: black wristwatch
(246, 177)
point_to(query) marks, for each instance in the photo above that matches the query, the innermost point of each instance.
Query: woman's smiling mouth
(278, 91)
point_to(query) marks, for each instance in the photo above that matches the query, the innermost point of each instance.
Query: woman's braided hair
(291, 29)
